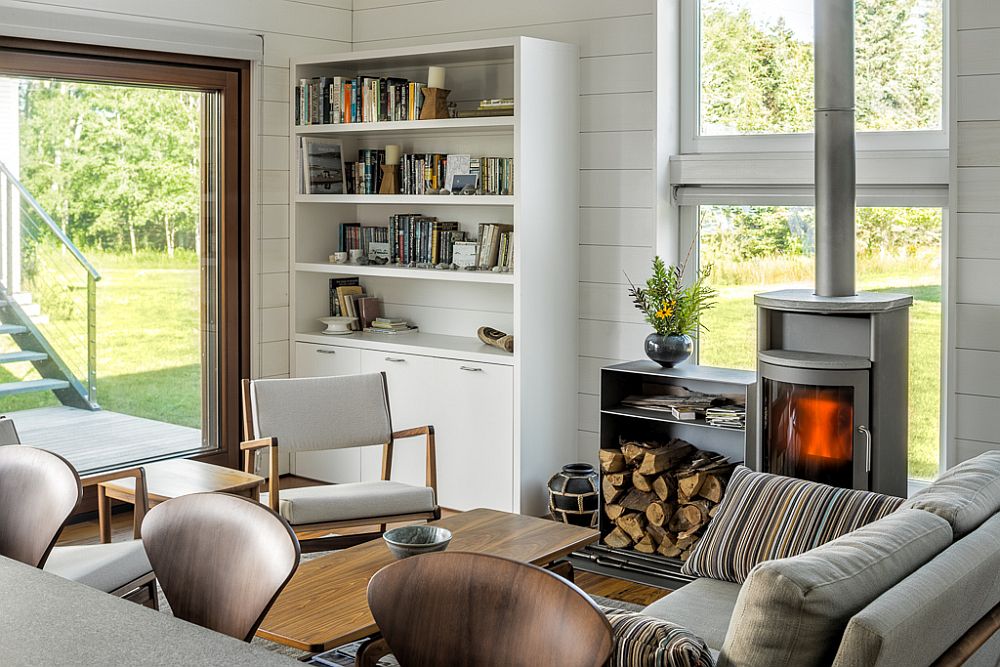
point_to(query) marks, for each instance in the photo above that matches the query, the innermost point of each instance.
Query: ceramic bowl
(338, 325)
(409, 541)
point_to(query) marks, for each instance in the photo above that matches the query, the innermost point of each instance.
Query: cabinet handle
(471, 368)
(868, 447)
(395, 360)
(322, 351)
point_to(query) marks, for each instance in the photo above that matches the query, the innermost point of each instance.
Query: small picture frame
(323, 166)
(461, 181)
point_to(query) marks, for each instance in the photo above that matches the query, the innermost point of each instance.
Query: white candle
(435, 77)
(392, 154)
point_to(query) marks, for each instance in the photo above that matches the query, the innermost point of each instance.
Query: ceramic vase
(574, 495)
(668, 351)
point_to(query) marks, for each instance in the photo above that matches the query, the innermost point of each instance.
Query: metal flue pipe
(835, 151)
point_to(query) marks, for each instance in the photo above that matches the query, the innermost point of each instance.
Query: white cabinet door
(475, 435)
(411, 403)
(335, 466)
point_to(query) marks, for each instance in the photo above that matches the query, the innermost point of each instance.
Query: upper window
(756, 66)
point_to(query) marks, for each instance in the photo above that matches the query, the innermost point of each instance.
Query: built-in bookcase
(505, 422)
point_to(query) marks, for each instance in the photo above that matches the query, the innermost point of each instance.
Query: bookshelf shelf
(514, 414)
(658, 416)
(418, 342)
(488, 125)
(407, 273)
(409, 200)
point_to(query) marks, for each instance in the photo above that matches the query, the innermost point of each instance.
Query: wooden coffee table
(173, 478)
(325, 605)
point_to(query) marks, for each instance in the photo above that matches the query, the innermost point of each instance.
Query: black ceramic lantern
(573, 495)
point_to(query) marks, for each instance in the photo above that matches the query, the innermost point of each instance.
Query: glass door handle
(868, 447)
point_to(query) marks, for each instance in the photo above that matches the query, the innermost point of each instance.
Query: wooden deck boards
(102, 439)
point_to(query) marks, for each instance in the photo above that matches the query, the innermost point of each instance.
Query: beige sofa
(917, 586)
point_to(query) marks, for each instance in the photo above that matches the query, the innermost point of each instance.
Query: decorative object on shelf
(673, 309)
(338, 326)
(464, 254)
(497, 338)
(407, 541)
(390, 171)
(339, 257)
(435, 95)
(322, 166)
(574, 496)
(355, 254)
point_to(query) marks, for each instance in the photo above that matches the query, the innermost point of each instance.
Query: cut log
(633, 451)
(658, 533)
(642, 482)
(645, 545)
(657, 460)
(685, 555)
(612, 460)
(712, 512)
(637, 500)
(689, 485)
(704, 506)
(686, 542)
(659, 513)
(686, 517)
(668, 549)
(665, 487)
(634, 524)
(618, 478)
(618, 539)
(610, 491)
(711, 488)
(613, 511)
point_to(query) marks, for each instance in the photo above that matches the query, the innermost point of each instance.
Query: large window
(754, 63)
(761, 248)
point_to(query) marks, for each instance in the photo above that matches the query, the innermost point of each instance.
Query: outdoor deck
(101, 439)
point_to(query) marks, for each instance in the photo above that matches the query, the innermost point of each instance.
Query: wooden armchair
(310, 414)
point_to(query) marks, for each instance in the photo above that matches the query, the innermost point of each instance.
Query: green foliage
(669, 306)
(757, 78)
(118, 167)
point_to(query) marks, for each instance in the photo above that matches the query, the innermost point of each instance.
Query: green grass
(731, 339)
(148, 336)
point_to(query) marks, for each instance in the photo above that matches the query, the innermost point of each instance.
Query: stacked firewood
(660, 497)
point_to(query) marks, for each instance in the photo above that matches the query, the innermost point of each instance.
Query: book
(322, 166)
(342, 293)
(391, 332)
(335, 297)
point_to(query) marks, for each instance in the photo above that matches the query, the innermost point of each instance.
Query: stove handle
(868, 447)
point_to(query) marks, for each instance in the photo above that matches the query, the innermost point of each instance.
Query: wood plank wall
(976, 242)
(617, 43)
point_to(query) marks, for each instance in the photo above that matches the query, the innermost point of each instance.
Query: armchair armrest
(103, 507)
(248, 447)
(431, 466)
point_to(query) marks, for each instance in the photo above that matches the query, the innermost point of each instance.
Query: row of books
(365, 176)
(348, 299)
(428, 173)
(363, 99)
(409, 238)
(355, 236)
(496, 247)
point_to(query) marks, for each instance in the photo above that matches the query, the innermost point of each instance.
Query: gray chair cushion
(307, 414)
(915, 621)
(967, 495)
(703, 606)
(358, 500)
(106, 567)
(763, 517)
(793, 611)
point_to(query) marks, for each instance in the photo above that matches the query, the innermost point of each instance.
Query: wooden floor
(96, 440)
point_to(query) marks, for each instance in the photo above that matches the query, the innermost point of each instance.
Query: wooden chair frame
(315, 536)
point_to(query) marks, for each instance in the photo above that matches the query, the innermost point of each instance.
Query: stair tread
(12, 329)
(24, 355)
(11, 388)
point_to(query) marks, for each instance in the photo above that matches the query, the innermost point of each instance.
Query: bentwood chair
(119, 568)
(221, 559)
(327, 413)
(38, 492)
(474, 610)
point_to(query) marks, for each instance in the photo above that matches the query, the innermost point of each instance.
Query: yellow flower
(665, 311)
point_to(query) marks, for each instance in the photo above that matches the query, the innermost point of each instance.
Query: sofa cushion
(793, 611)
(966, 496)
(106, 567)
(357, 500)
(704, 606)
(647, 641)
(764, 516)
(916, 620)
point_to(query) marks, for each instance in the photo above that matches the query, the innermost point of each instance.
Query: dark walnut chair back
(472, 610)
(38, 492)
(221, 560)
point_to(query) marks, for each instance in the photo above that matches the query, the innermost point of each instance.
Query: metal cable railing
(38, 258)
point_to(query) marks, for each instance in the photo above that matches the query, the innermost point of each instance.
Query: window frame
(692, 141)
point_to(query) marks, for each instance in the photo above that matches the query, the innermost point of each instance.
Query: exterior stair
(28, 386)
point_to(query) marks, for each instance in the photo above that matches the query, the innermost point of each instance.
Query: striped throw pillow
(647, 641)
(764, 516)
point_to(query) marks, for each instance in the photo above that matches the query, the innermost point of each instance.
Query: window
(752, 69)
(761, 248)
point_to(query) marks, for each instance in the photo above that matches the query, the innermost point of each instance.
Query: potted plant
(673, 309)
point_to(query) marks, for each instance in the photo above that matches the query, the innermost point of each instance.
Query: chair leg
(154, 597)
(563, 568)
(374, 649)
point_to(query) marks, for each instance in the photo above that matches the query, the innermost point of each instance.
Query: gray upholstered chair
(118, 568)
(327, 413)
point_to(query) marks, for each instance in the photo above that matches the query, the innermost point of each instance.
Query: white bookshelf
(505, 422)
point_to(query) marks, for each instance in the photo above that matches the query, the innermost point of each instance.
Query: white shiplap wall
(617, 43)
(290, 28)
(975, 350)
